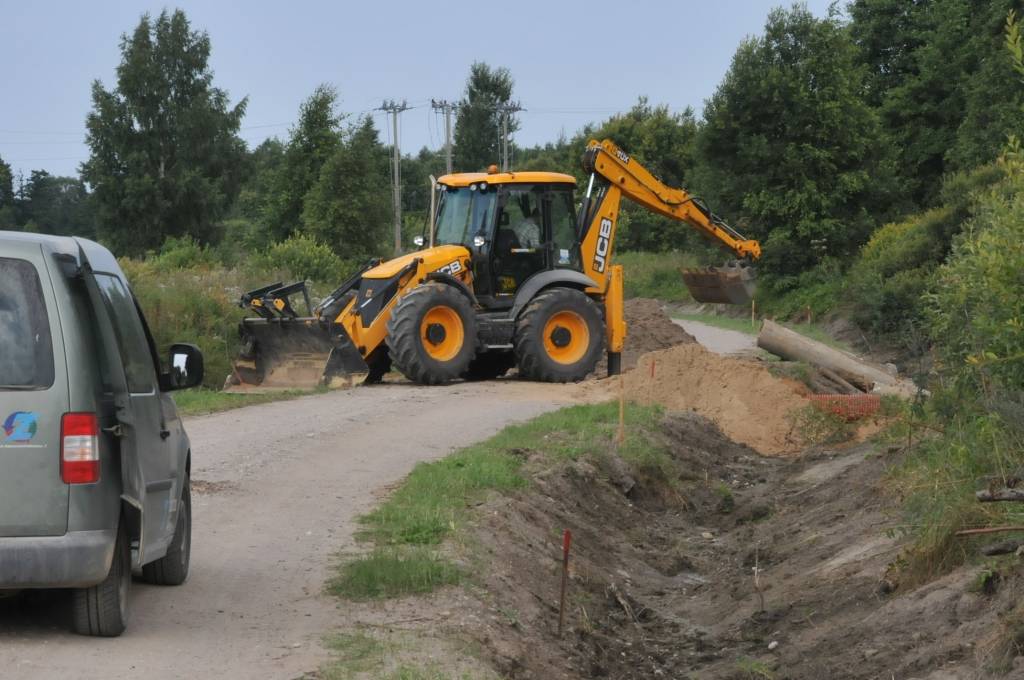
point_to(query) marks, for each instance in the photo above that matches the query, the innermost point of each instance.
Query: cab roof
(464, 179)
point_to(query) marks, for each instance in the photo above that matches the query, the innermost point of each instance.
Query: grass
(743, 325)
(354, 652)
(201, 400)
(432, 503)
(821, 428)
(432, 500)
(655, 275)
(392, 572)
(754, 669)
(358, 654)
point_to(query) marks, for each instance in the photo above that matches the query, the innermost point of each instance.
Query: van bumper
(78, 559)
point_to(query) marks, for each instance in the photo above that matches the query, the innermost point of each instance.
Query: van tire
(102, 610)
(172, 568)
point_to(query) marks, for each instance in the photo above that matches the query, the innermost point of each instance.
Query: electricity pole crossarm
(394, 108)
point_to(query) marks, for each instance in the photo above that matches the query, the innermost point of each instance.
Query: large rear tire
(432, 334)
(102, 610)
(559, 336)
(172, 568)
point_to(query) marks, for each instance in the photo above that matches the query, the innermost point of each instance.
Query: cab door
(148, 482)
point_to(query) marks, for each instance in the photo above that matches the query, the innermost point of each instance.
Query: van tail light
(79, 448)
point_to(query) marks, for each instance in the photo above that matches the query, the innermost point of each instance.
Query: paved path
(720, 340)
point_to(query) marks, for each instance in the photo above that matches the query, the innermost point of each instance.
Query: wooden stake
(988, 530)
(566, 541)
(621, 437)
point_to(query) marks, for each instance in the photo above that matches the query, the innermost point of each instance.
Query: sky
(573, 62)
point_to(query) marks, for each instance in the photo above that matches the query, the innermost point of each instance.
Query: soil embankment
(740, 566)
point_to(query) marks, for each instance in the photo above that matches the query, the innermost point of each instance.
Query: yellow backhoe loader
(512, 275)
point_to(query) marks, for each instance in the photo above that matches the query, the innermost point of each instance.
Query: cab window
(566, 252)
(464, 212)
(139, 368)
(26, 348)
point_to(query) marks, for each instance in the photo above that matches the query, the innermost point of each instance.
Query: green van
(94, 460)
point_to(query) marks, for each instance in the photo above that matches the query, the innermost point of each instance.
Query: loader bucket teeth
(298, 353)
(732, 284)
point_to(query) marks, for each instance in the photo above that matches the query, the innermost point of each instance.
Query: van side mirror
(186, 368)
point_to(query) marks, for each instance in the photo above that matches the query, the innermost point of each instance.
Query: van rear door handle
(115, 430)
(164, 434)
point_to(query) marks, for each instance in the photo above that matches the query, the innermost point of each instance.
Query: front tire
(432, 334)
(172, 568)
(559, 336)
(102, 610)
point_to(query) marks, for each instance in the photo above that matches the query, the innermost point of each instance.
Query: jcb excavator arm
(626, 177)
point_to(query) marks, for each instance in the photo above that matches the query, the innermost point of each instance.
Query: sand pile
(648, 328)
(748, 403)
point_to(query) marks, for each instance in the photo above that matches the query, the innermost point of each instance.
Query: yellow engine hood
(433, 259)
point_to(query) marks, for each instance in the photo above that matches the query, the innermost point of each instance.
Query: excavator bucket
(732, 284)
(283, 351)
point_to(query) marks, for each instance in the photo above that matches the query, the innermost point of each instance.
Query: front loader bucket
(299, 353)
(732, 284)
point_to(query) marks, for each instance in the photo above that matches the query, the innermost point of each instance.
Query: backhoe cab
(512, 275)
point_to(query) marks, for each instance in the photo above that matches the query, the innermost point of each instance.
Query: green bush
(976, 316)
(305, 258)
(182, 253)
(818, 290)
(196, 305)
(977, 310)
(895, 269)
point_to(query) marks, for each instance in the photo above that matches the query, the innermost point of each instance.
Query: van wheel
(172, 568)
(102, 610)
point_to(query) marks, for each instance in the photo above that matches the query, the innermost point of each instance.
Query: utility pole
(447, 108)
(505, 110)
(394, 108)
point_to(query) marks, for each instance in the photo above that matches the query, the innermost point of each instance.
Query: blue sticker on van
(20, 427)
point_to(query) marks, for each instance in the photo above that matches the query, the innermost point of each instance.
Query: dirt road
(277, 490)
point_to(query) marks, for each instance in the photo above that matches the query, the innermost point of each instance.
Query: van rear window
(26, 350)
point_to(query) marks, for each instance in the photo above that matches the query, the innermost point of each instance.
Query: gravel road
(277, 491)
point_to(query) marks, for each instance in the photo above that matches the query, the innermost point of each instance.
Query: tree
(6, 185)
(789, 149)
(7, 219)
(478, 123)
(665, 144)
(165, 154)
(57, 205)
(349, 206)
(316, 137)
(937, 74)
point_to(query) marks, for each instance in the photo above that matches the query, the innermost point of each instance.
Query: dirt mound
(648, 328)
(751, 405)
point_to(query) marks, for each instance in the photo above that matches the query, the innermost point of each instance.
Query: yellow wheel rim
(566, 337)
(441, 333)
